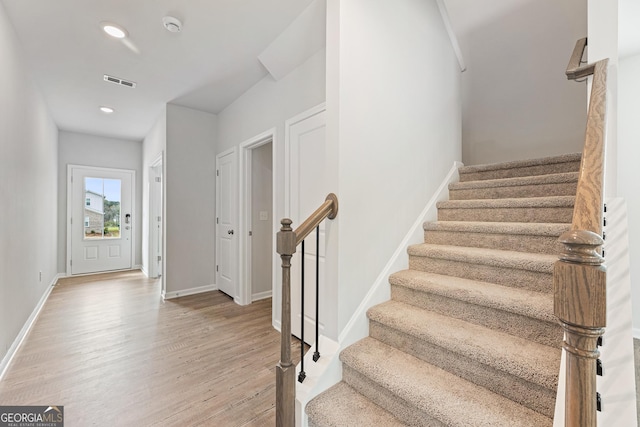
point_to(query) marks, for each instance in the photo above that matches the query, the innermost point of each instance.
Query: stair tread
(518, 228)
(536, 363)
(342, 406)
(572, 157)
(524, 202)
(446, 397)
(520, 301)
(541, 263)
(555, 178)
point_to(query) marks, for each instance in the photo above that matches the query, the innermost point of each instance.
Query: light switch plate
(264, 215)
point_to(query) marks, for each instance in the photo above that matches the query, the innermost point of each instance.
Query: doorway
(100, 219)
(257, 213)
(305, 171)
(156, 221)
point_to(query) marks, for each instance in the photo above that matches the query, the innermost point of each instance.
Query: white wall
(603, 43)
(99, 151)
(517, 101)
(394, 124)
(627, 167)
(28, 188)
(268, 105)
(190, 199)
(153, 145)
(262, 229)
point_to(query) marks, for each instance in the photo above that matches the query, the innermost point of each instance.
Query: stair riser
(521, 171)
(387, 400)
(540, 331)
(532, 280)
(553, 214)
(544, 190)
(509, 242)
(531, 395)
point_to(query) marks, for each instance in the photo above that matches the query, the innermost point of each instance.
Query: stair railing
(579, 277)
(287, 242)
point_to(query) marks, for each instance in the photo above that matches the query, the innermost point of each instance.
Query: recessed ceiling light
(107, 110)
(172, 24)
(114, 30)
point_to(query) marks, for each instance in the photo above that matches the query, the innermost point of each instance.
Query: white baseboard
(6, 360)
(190, 291)
(261, 295)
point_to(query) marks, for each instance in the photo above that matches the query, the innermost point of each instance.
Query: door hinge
(251, 233)
(70, 262)
(216, 268)
(72, 220)
(159, 257)
(218, 172)
(158, 179)
(217, 220)
(159, 219)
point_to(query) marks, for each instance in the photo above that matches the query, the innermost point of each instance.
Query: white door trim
(288, 124)
(135, 223)
(244, 225)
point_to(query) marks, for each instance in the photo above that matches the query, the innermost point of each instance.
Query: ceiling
(212, 61)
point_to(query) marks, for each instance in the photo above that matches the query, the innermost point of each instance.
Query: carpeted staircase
(469, 337)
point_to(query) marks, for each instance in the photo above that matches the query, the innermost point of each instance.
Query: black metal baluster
(302, 375)
(316, 354)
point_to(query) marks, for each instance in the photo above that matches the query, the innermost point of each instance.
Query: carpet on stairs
(469, 336)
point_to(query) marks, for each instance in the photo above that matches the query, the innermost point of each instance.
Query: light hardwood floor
(114, 354)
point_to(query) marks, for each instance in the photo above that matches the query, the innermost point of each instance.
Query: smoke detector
(172, 24)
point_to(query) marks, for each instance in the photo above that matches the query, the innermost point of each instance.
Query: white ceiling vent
(118, 81)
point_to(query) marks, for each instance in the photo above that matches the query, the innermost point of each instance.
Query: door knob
(230, 232)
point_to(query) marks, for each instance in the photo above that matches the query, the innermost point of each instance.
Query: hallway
(108, 349)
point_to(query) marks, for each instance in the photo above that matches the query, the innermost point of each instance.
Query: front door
(226, 223)
(100, 219)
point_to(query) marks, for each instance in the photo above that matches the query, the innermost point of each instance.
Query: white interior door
(100, 212)
(155, 220)
(226, 223)
(308, 190)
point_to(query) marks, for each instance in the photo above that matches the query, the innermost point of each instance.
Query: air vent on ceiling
(118, 81)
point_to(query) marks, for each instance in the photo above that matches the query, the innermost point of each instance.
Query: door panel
(226, 219)
(155, 220)
(101, 219)
(308, 189)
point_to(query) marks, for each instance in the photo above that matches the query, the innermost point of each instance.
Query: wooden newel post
(285, 370)
(580, 303)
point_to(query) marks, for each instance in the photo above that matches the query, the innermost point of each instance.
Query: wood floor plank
(113, 353)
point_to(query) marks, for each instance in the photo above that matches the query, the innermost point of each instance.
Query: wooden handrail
(579, 277)
(329, 209)
(287, 242)
(574, 69)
